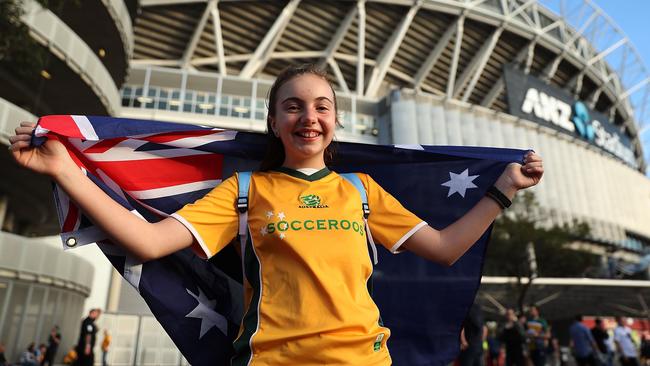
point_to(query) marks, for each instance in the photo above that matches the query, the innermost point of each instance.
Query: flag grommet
(71, 242)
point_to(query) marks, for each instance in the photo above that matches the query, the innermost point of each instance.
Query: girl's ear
(273, 128)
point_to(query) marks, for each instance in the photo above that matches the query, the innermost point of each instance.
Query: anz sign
(533, 100)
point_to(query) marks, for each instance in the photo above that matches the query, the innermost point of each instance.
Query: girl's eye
(322, 108)
(292, 108)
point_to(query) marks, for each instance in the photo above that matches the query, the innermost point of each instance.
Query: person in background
(28, 356)
(625, 344)
(106, 342)
(3, 359)
(87, 337)
(471, 338)
(645, 349)
(70, 357)
(513, 338)
(603, 342)
(538, 333)
(493, 345)
(53, 342)
(40, 353)
(585, 349)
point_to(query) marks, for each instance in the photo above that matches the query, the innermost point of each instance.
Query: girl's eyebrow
(295, 99)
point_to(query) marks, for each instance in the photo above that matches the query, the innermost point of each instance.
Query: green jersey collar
(310, 178)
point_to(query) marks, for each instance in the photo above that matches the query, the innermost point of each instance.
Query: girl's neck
(304, 164)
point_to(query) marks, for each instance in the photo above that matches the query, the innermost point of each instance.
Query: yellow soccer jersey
(307, 265)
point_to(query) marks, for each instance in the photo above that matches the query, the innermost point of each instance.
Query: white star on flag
(204, 310)
(282, 235)
(459, 183)
(281, 216)
(263, 231)
(269, 214)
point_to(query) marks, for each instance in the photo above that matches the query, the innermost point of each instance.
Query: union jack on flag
(154, 168)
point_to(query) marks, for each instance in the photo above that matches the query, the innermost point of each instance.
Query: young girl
(306, 267)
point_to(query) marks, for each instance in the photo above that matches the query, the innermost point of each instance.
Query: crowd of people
(82, 354)
(527, 339)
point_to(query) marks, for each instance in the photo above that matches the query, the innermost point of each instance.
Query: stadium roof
(453, 48)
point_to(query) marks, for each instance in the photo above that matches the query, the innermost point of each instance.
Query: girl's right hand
(49, 158)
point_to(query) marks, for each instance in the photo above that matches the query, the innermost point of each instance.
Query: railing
(39, 260)
(120, 14)
(65, 44)
(229, 98)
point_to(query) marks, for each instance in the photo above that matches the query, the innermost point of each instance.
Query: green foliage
(507, 253)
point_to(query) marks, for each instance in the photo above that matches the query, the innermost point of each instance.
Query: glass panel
(12, 321)
(28, 334)
(48, 314)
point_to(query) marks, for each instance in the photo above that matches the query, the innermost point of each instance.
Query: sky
(631, 16)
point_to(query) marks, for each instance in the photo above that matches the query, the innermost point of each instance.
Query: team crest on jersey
(311, 201)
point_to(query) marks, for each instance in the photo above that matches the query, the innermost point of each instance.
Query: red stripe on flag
(135, 175)
(104, 145)
(71, 218)
(173, 136)
(61, 125)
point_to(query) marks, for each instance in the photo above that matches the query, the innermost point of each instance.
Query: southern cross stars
(459, 183)
(204, 310)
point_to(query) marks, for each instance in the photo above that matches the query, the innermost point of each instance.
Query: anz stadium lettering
(576, 119)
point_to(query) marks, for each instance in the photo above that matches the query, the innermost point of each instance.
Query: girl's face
(305, 119)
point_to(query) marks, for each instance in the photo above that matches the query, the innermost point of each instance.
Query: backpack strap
(356, 182)
(244, 181)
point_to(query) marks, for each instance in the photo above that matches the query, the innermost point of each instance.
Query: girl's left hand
(517, 176)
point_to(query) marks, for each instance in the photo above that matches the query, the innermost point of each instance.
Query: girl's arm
(448, 245)
(144, 239)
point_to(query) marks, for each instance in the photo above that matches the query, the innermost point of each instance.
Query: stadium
(501, 73)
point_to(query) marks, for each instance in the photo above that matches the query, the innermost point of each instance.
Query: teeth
(308, 134)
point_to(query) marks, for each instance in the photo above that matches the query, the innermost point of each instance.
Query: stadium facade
(503, 73)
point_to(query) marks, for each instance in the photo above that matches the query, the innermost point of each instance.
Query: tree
(522, 226)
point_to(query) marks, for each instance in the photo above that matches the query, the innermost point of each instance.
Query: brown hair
(274, 157)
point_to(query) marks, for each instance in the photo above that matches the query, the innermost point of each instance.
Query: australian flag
(153, 169)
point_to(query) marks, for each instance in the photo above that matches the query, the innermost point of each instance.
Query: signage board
(532, 99)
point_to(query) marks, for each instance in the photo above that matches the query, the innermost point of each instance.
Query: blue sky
(632, 17)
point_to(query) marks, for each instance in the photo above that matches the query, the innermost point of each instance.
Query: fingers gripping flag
(153, 169)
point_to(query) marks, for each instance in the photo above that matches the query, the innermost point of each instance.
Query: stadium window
(223, 108)
(260, 108)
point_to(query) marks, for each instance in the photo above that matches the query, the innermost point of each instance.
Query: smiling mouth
(308, 134)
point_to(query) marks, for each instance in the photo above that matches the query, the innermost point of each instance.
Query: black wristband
(498, 197)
